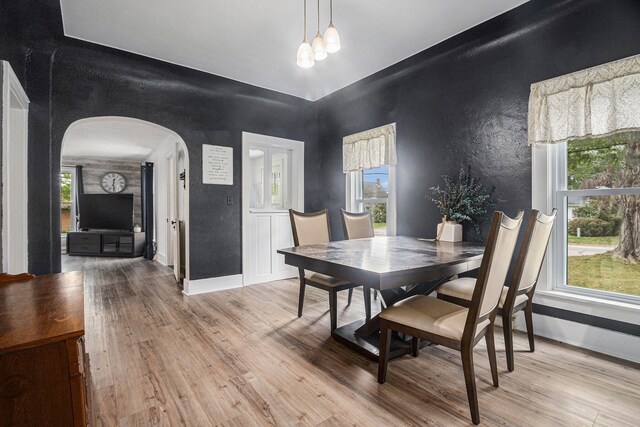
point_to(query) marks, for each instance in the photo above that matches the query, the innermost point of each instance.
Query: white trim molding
(212, 284)
(14, 141)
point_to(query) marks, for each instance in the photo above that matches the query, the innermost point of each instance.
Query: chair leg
(385, 346)
(301, 297)
(333, 309)
(507, 329)
(470, 380)
(350, 296)
(491, 351)
(528, 316)
(366, 293)
(415, 346)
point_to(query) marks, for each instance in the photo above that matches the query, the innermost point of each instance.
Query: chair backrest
(357, 225)
(534, 248)
(493, 270)
(310, 228)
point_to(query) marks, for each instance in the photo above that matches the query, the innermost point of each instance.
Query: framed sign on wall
(217, 165)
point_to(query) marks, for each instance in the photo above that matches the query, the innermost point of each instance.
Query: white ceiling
(255, 41)
(114, 138)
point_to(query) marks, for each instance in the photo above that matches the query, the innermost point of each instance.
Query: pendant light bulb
(318, 46)
(331, 36)
(332, 39)
(304, 57)
(319, 49)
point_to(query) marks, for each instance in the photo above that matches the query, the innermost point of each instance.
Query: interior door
(173, 225)
(272, 184)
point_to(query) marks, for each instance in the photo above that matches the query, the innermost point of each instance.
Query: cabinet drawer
(85, 248)
(84, 238)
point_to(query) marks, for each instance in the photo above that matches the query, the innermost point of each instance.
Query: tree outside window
(603, 213)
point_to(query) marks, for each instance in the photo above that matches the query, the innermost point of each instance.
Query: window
(597, 192)
(278, 184)
(67, 213)
(371, 190)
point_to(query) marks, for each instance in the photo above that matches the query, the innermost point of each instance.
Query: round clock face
(113, 182)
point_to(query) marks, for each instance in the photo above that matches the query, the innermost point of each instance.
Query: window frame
(549, 173)
(353, 182)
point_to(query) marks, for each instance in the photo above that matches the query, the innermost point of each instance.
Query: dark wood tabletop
(397, 266)
(386, 262)
(41, 310)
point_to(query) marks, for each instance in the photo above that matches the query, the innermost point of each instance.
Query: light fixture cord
(330, 12)
(305, 20)
(318, 17)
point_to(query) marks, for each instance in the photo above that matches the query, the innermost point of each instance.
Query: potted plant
(462, 200)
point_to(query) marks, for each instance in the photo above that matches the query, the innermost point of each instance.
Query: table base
(367, 345)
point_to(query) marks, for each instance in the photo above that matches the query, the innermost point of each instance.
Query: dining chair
(359, 225)
(6, 277)
(309, 229)
(519, 294)
(451, 325)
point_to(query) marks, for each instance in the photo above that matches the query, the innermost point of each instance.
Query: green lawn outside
(379, 224)
(605, 273)
(594, 241)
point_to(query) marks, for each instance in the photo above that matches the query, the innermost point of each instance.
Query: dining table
(396, 266)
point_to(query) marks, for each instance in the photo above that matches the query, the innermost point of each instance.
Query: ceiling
(255, 41)
(114, 138)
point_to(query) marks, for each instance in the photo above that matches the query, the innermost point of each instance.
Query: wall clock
(113, 182)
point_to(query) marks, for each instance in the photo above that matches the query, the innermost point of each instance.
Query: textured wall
(68, 80)
(465, 102)
(94, 169)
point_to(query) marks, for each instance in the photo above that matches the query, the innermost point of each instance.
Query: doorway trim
(297, 177)
(178, 139)
(15, 113)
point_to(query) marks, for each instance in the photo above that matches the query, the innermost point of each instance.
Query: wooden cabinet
(44, 368)
(105, 243)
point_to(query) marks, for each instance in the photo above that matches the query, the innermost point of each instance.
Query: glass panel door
(257, 160)
(280, 182)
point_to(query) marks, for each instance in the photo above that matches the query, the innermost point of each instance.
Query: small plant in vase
(461, 200)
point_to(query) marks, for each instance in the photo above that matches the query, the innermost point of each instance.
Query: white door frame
(15, 111)
(297, 181)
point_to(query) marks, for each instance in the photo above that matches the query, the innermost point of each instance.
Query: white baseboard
(161, 258)
(612, 343)
(212, 284)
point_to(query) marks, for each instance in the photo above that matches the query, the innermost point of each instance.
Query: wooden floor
(242, 357)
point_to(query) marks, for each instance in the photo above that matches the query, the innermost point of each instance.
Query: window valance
(598, 101)
(369, 149)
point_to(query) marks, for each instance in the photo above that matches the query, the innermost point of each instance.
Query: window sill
(615, 310)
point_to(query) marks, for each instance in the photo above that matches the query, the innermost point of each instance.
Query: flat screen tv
(106, 211)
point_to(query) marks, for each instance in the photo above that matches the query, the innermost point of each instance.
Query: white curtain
(369, 149)
(598, 101)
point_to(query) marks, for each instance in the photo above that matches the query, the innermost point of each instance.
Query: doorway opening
(110, 156)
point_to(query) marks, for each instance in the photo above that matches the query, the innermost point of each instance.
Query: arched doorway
(97, 147)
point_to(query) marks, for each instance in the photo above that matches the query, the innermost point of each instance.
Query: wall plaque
(217, 165)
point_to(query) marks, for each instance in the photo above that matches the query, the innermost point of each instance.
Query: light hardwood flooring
(242, 357)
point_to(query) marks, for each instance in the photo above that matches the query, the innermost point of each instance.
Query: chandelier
(321, 46)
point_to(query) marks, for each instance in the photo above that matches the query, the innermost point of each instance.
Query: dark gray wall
(465, 102)
(68, 80)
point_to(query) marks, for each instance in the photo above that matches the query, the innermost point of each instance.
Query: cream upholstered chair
(454, 326)
(310, 229)
(519, 294)
(359, 225)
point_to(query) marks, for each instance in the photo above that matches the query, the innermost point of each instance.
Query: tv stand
(105, 243)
